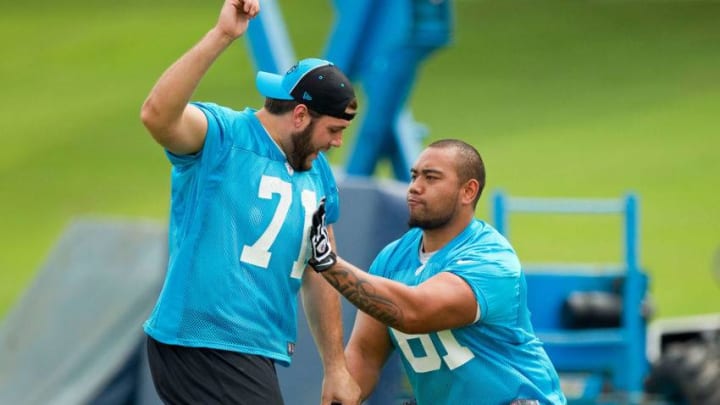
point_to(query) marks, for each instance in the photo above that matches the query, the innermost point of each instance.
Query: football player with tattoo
(450, 295)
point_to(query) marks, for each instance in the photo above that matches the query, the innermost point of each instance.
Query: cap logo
(307, 96)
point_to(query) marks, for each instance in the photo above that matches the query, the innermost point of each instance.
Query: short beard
(431, 223)
(302, 148)
(437, 221)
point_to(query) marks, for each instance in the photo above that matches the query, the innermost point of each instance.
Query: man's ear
(300, 116)
(469, 191)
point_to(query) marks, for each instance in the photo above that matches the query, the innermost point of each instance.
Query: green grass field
(571, 99)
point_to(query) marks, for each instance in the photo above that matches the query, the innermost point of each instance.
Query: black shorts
(188, 375)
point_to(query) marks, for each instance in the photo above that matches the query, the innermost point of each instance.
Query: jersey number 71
(258, 253)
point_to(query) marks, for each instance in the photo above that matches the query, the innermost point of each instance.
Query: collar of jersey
(278, 153)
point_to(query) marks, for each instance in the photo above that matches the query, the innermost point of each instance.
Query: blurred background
(562, 98)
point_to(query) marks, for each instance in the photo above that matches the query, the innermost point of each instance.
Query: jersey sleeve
(495, 281)
(216, 137)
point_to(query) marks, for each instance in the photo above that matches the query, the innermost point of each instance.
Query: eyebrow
(426, 171)
(338, 127)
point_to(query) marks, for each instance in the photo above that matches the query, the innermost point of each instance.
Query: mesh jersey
(492, 361)
(239, 222)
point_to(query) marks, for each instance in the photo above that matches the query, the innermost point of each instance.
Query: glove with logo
(322, 255)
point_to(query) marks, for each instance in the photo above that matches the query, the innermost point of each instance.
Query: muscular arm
(442, 302)
(173, 123)
(324, 316)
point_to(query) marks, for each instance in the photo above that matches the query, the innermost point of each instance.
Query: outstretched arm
(444, 301)
(176, 125)
(324, 316)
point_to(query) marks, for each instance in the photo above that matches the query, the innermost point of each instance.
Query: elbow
(433, 320)
(150, 116)
(425, 319)
(146, 115)
(413, 329)
(412, 324)
(410, 315)
(154, 121)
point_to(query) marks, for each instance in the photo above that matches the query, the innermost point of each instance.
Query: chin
(415, 222)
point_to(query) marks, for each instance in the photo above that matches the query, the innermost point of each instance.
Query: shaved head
(468, 163)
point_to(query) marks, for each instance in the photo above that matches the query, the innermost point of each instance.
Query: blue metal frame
(618, 353)
(379, 44)
(269, 40)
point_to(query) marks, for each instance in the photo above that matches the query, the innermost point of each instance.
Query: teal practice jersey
(239, 224)
(495, 360)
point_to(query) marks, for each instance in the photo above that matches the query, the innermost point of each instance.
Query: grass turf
(576, 99)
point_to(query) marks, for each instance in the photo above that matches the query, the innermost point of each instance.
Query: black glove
(322, 255)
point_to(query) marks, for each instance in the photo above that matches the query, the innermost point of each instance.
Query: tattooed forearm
(362, 293)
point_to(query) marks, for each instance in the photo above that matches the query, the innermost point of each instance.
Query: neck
(436, 239)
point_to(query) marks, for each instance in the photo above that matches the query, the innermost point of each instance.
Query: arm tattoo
(361, 292)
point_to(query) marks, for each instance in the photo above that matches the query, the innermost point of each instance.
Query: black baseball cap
(317, 83)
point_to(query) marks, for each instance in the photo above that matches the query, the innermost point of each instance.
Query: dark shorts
(188, 375)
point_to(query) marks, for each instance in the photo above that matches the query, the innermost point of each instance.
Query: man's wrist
(325, 264)
(216, 34)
